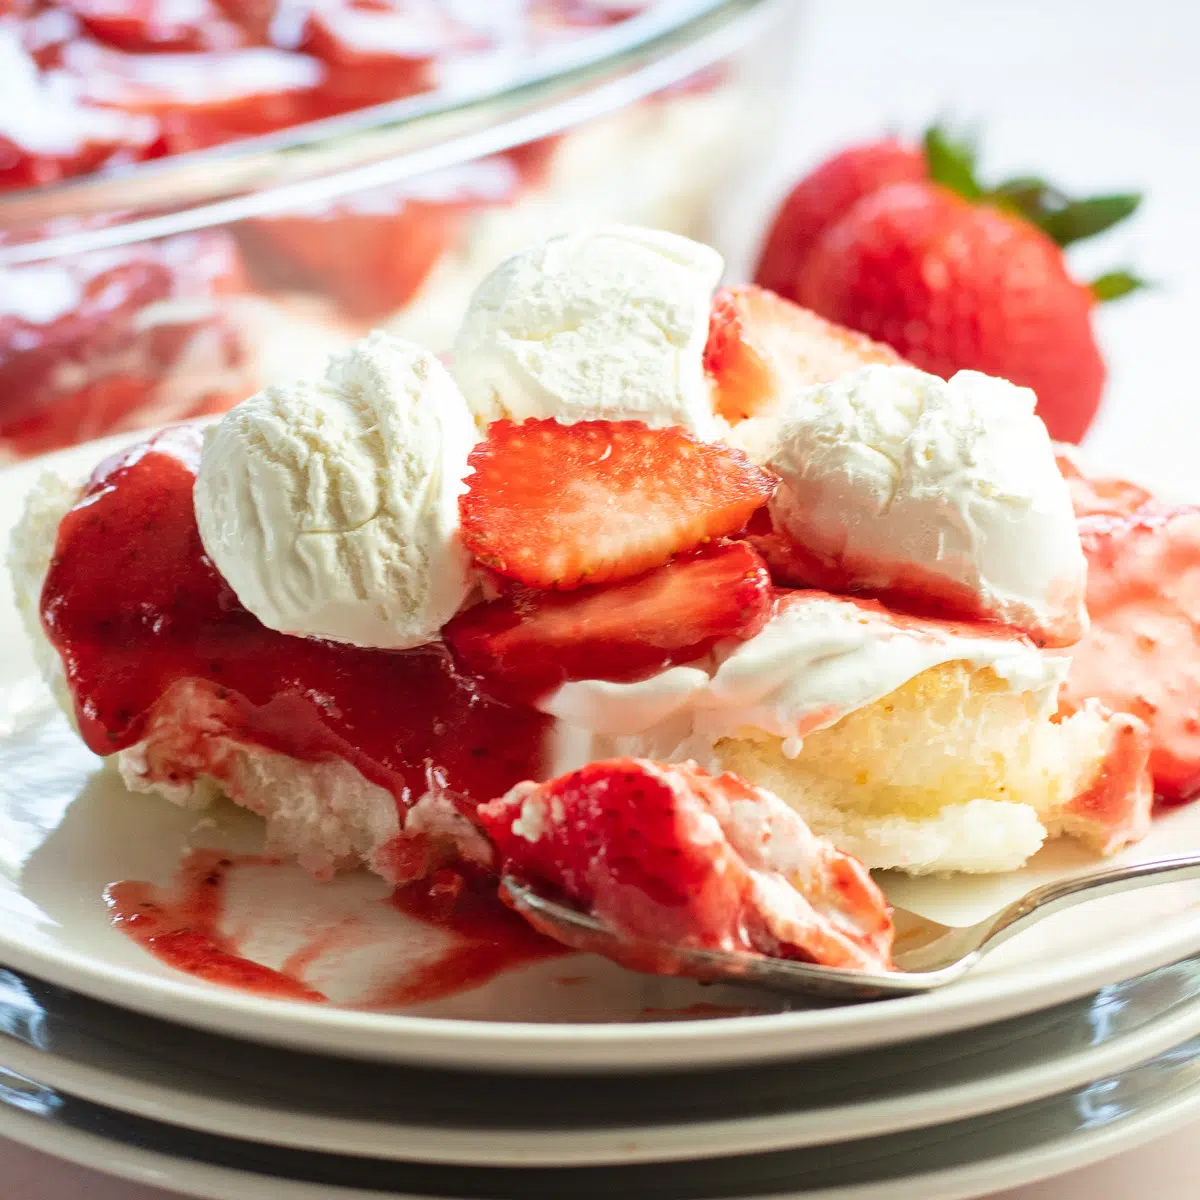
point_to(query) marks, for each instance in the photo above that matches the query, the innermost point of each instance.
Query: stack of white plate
(568, 1078)
(952, 1116)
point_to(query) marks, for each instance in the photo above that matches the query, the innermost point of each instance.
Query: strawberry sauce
(182, 928)
(135, 608)
(489, 938)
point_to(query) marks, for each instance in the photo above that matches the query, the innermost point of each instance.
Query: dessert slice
(258, 612)
(331, 618)
(671, 856)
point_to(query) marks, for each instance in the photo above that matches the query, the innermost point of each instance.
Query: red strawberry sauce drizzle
(133, 606)
(490, 938)
(182, 929)
(181, 926)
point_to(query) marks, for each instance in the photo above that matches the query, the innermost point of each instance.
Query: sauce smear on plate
(181, 925)
(489, 936)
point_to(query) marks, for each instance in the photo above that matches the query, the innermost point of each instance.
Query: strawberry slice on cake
(761, 348)
(526, 643)
(556, 506)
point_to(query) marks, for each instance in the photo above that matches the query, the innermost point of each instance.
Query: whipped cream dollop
(894, 480)
(606, 324)
(818, 658)
(331, 507)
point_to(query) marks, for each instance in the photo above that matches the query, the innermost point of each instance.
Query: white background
(1101, 95)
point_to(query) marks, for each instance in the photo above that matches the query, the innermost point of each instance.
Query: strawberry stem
(952, 159)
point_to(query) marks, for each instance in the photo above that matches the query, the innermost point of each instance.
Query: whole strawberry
(952, 275)
(820, 199)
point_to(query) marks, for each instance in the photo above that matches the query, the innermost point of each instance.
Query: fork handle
(1066, 893)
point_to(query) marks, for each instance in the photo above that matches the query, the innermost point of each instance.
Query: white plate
(67, 829)
(946, 1162)
(255, 1093)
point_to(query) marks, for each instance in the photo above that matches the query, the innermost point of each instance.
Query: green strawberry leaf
(1079, 219)
(952, 158)
(1027, 196)
(951, 162)
(1114, 284)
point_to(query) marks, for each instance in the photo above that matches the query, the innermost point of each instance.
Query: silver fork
(927, 955)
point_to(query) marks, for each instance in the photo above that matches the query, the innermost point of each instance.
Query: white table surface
(1102, 95)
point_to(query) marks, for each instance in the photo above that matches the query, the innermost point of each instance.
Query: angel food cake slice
(354, 618)
(912, 743)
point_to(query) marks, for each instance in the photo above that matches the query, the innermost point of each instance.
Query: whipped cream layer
(896, 480)
(817, 659)
(331, 508)
(606, 324)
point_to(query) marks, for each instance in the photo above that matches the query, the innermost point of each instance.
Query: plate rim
(780, 1129)
(1012, 1168)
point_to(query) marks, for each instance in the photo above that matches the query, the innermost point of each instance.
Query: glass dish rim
(382, 144)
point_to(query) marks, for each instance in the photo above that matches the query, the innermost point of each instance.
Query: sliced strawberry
(201, 100)
(378, 53)
(526, 643)
(762, 347)
(47, 133)
(1142, 652)
(370, 254)
(673, 856)
(556, 506)
(158, 25)
(87, 343)
(1107, 496)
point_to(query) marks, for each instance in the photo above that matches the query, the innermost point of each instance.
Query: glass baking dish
(173, 288)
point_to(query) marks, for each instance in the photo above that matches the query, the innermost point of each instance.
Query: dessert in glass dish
(196, 201)
(677, 602)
